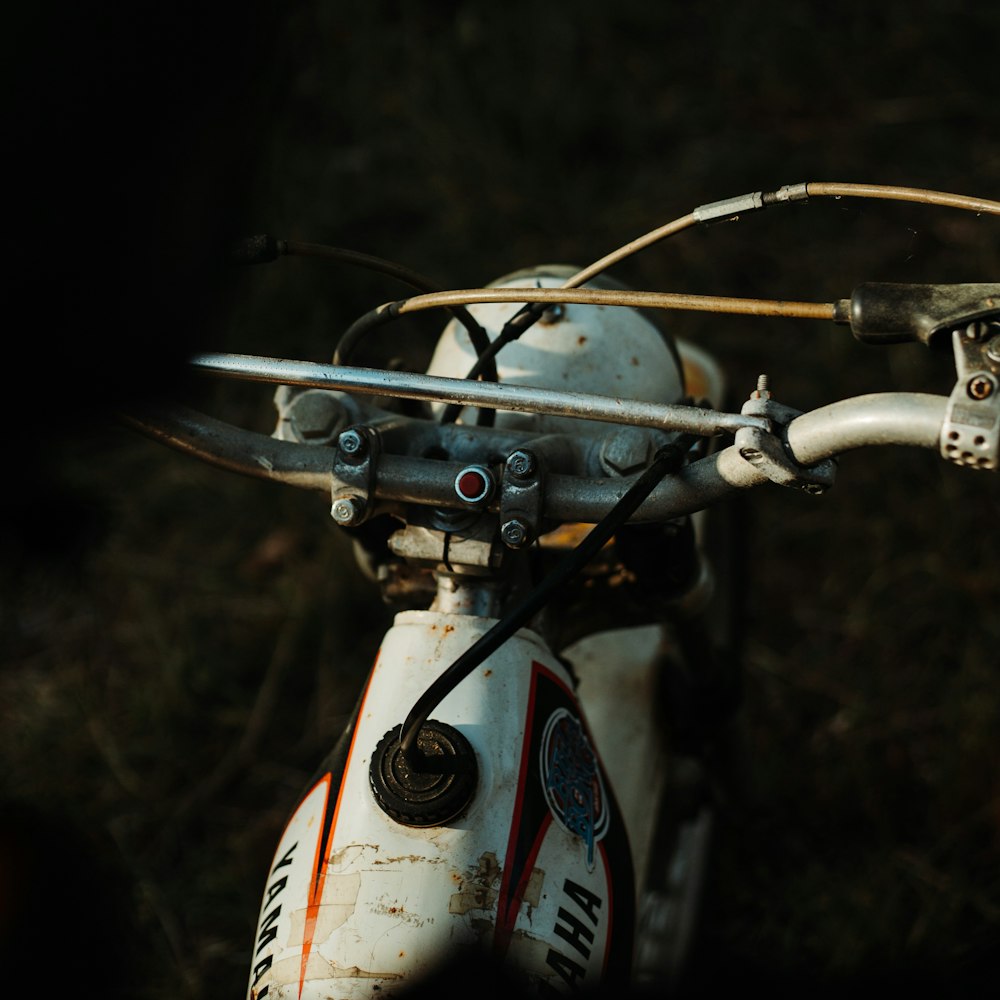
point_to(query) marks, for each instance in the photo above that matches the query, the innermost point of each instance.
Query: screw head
(351, 442)
(347, 511)
(514, 533)
(751, 454)
(980, 386)
(521, 463)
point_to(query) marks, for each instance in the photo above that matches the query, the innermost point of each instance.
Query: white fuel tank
(536, 871)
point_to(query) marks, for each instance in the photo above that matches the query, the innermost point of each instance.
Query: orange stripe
(312, 909)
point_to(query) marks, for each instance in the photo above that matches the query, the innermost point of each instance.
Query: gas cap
(430, 793)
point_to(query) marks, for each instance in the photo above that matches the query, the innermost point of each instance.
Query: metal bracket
(768, 450)
(970, 435)
(354, 471)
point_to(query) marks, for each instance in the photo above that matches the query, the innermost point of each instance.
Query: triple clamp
(768, 450)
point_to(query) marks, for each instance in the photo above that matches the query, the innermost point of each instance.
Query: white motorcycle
(529, 774)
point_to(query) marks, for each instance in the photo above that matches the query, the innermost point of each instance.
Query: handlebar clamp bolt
(352, 443)
(347, 511)
(521, 464)
(514, 533)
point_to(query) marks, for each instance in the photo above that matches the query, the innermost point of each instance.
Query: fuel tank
(536, 872)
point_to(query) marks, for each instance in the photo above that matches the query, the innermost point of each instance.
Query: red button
(473, 485)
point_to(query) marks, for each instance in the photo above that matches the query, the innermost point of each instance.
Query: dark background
(180, 647)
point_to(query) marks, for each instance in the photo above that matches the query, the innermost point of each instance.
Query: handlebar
(911, 419)
(389, 461)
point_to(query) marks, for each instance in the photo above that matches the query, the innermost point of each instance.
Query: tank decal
(572, 782)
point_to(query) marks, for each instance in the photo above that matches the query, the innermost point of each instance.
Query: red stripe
(505, 920)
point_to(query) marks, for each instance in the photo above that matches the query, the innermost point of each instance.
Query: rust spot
(394, 909)
(446, 629)
(635, 362)
(487, 673)
(581, 340)
(402, 954)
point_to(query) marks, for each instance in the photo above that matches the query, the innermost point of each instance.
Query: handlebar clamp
(768, 450)
(354, 467)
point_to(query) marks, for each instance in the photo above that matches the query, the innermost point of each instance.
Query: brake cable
(668, 459)
(729, 209)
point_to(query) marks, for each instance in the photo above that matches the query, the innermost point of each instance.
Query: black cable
(522, 321)
(263, 249)
(668, 460)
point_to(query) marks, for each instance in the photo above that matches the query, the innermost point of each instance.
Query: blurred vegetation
(180, 647)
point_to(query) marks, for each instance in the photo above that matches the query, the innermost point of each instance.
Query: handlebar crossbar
(496, 396)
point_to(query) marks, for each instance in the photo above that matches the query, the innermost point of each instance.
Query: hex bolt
(314, 416)
(521, 464)
(514, 533)
(347, 511)
(625, 451)
(993, 349)
(980, 387)
(351, 443)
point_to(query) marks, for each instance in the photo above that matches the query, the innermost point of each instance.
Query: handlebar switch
(474, 485)
(970, 434)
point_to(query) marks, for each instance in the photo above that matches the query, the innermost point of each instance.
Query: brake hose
(668, 460)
